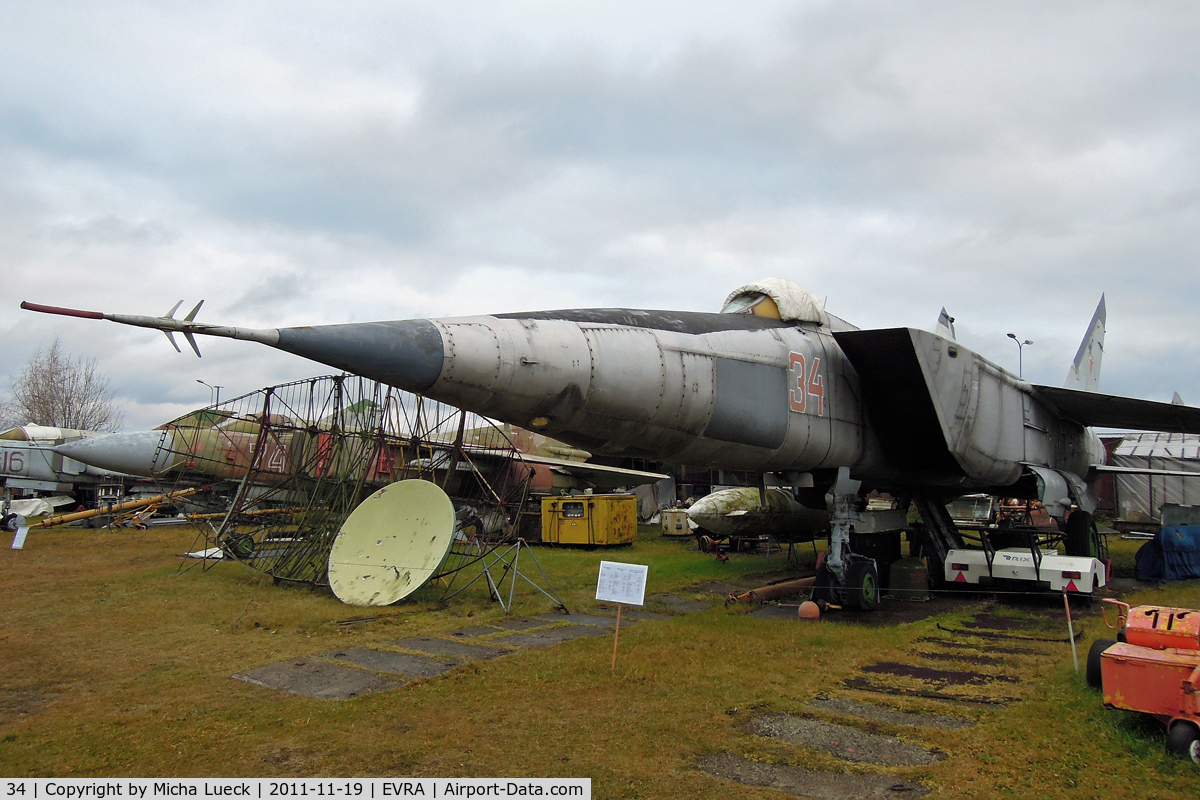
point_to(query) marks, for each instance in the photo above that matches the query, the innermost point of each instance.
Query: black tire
(1080, 540)
(1093, 662)
(1183, 739)
(823, 586)
(862, 590)
(240, 546)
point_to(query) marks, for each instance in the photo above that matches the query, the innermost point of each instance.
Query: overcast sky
(294, 163)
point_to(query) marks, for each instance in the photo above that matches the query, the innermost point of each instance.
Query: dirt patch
(898, 612)
(719, 588)
(788, 611)
(809, 783)
(847, 743)
(937, 677)
(999, 624)
(864, 685)
(757, 579)
(853, 708)
(1119, 587)
(1011, 651)
(991, 634)
(288, 757)
(16, 704)
(682, 605)
(964, 658)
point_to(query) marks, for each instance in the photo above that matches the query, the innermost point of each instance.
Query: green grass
(116, 665)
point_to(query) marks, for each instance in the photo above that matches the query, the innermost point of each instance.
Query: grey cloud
(297, 164)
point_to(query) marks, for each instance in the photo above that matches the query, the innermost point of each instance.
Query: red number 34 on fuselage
(805, 384)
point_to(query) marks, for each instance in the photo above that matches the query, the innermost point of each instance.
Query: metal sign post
(1071, 631)
(623, 584)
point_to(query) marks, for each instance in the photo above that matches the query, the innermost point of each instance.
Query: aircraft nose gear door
(844, 577)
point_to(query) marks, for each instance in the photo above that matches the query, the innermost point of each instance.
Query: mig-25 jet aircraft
(773, 384)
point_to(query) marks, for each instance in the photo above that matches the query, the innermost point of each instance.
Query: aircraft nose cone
(132, 453)
(407, 354)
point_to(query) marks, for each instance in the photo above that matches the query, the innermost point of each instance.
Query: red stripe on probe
(66, 312)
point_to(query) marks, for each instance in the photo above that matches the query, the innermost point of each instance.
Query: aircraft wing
(1094, 410)
(600, 476)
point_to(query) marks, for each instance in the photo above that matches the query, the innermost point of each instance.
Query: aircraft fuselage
(726, 390)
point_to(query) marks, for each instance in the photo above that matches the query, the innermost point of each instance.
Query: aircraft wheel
(823, 586)
(9, 522)
(239, 546)
(1183, 739)
(1079, 538)
(862, 591)
(1093, 661)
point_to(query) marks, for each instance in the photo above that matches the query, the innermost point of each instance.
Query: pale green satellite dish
(391, 544)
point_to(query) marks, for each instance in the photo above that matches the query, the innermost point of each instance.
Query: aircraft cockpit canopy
(754, 303)
(776, 298)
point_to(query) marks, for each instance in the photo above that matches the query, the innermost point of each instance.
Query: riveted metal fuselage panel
(690, 389)
(750, 404)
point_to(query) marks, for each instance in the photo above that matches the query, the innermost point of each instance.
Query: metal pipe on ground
(115, 508)
(773, 591)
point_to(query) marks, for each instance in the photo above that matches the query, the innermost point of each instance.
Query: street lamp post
(214, 390)
(1020, 353)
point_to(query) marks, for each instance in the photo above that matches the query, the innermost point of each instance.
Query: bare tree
(53, 389)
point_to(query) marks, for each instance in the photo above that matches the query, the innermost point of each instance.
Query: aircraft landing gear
(844, 577)
(860, 592)
(825, 586)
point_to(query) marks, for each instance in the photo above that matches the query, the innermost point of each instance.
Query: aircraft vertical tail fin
(945, 325)
(1084, 374)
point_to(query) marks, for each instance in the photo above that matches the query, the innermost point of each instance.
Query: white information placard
(622, 583)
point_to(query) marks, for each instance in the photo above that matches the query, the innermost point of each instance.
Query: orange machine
(1154, 668)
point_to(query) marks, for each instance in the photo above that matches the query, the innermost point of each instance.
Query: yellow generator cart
(594, 519)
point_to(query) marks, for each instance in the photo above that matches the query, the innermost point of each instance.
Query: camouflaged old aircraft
(206, 445)
(772, 384)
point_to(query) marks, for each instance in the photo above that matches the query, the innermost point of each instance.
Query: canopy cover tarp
(795, 303)
(1172, 555)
